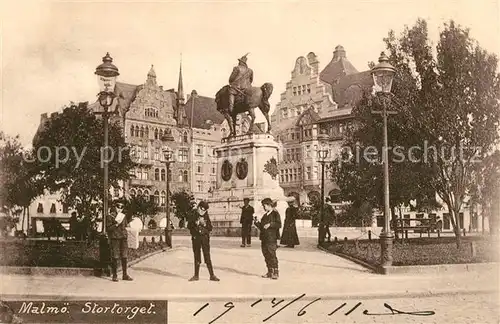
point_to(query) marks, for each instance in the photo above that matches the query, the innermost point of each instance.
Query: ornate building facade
(313, 102)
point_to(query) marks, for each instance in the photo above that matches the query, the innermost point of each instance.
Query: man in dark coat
(246, 221)
(289, 236)
(200, 226)
(240, 80)
(116, 223)
(269, 226)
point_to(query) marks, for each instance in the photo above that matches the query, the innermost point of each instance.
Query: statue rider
(240, 80)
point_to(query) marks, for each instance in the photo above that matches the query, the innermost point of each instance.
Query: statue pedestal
(246, 168)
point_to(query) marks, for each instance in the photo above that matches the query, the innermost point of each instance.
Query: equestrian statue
(240, 97)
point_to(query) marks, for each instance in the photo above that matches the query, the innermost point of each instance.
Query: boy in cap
(269, 226)
(200, 226)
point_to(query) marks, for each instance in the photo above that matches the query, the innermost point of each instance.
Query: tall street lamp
(323, 149)
(106, 78)
(168, 159)
(383, 74)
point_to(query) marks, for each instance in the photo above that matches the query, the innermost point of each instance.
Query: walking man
(269, 226)
(116, 227)
(246, 220)
(200, 226)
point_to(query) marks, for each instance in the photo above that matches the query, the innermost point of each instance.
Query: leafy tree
(447, 103)
(69, 148)
(18, 182)
(141, 207)
(183, 202)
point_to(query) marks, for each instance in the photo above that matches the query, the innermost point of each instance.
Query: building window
(145, 174)
(213, 169)
(53, 208)
(308, 173)
(446, 221)
(315, 175)
(132, 192)
(39, 209)
(157, 154)
(137, 132)
(185, 137)
(183, 155)
(142, 131)
(157, 174)
(198, 168)
(146, 194)
(156, 133)
(139, 192)
(199, 149)
(132, 131)
(308, 151)
(180, 176)
(162, 174)
(185, 176)
(199, 185)
(163, 198)
(145, 152)
(308, 88)
(157, 197)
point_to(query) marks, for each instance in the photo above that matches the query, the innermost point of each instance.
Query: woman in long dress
(289, 237)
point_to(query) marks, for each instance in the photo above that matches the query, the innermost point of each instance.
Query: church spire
(180, 86)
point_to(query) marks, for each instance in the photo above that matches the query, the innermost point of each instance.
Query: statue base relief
(246, 168)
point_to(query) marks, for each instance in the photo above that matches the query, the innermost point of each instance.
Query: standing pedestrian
(116, 224)
(289, 238)
(269, 226)
(246, 220)
(329, 215)
(200, 226)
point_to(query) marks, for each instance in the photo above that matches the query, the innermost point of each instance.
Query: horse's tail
(267, 90)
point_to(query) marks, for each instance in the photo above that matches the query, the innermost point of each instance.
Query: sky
(50, 49)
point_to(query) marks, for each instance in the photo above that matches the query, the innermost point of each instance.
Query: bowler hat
(203, 204)
(267, 201)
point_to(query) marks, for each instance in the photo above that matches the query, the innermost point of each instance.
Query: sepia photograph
(250, 161)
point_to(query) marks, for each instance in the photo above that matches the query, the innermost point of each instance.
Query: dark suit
(117, 234)
(246, 220)
(269, 237)
(200, 236)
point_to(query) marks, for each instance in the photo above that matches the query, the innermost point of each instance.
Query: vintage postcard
(249, 162)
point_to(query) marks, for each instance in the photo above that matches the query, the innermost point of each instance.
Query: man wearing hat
(246, 221)
(116, 227)
(200, 226)
(241, 79)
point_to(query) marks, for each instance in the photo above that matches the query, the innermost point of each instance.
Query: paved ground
(455, 297)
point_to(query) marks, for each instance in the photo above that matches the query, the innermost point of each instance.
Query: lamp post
(383, 74)
(322, 156)
(168, 159)
(106, 78)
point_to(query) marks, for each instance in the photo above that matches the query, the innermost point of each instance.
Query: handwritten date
(348, 310)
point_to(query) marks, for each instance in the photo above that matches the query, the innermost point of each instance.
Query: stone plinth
(235, 155)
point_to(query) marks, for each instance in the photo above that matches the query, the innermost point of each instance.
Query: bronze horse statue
(254, 97)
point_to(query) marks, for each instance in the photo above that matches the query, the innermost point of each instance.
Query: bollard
(356, 246)
(336, 240)
(161, 239)
(369, 252)
(144, 241)
(369, 235)
(406, 234)
(345, 243)
(473, 249)
(463, 229)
